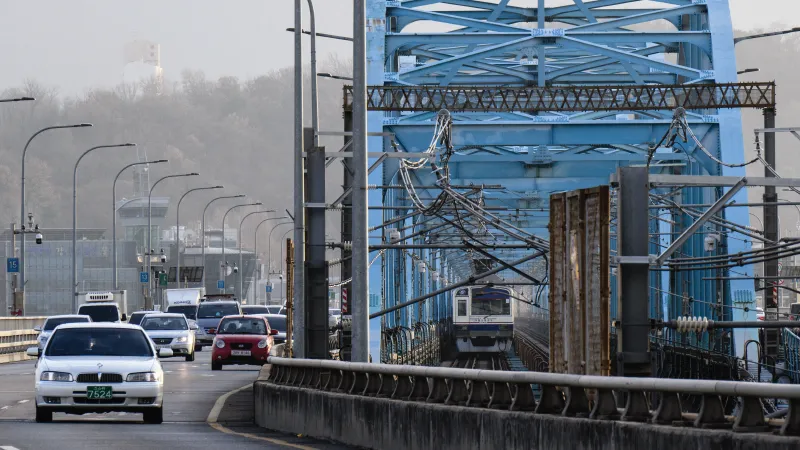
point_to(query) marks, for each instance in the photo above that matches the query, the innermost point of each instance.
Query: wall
(385, 424)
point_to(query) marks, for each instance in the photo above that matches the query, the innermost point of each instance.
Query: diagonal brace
(503, 263)
(718, 205)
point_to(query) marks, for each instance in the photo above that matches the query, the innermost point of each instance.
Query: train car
(483, 317)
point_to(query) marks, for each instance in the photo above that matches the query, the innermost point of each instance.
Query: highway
(191, 391)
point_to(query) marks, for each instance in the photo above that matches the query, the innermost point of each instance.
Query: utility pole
(346, 342)
(359, 297)
(299, 192)
(771, 336)
(316, 306)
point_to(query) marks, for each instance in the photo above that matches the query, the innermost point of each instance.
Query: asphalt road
(190, 391)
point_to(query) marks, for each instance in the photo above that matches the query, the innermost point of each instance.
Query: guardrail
(422, 344)
(594, 397)
(17, 334)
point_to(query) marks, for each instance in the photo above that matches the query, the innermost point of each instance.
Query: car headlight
(55, 376)
(200, 330)
(219, 343)
(142, 377)
(262, 343)
(182, 339)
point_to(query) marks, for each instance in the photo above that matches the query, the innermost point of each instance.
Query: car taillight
(760, 317)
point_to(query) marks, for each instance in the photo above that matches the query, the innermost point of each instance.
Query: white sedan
(173, 331)
(99, 368)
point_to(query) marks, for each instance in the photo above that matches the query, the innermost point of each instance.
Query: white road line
(4, 407)
(8, 447)
(214, 414)
(23, 401)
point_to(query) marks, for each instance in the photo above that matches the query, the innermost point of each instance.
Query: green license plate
(98, 392)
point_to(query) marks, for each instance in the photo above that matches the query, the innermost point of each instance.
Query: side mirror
(33, 351)
(124, 317)
(165, 352)
(194, 326)
(39, 329)
(273, 332)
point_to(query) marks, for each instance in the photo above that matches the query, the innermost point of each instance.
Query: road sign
(220, 284)
(12, 265)
(269, 289)
(144, 277)
(162, 279)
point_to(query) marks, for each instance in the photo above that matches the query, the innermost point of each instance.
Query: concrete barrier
(386, 424)
(16, 335)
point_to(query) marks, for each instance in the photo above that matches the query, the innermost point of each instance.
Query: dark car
(208, 316)
(255, 309)
(136, 317)
(190, 311)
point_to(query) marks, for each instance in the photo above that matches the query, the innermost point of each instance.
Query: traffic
(101, 360)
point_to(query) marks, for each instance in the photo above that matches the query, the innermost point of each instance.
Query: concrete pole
(147, 249)
(359, 298)
(21, 278)
(299, 195)
(178, 231)
(114, 282)
(74, 288)
(241, 266)
(223, 239)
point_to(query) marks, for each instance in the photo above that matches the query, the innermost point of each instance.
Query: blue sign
(220, 284)
(269, 289)
(144, 277)
(12, 265)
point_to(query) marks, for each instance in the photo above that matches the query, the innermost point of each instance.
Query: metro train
(483, 318)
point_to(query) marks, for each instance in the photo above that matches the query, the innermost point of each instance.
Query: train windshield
(493, 302)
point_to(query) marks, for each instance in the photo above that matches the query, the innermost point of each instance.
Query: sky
(76, 45)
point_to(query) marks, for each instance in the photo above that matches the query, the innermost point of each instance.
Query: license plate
(240, 352)
(98, 392)
(163, 346)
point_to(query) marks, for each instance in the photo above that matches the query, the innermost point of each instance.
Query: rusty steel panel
(579, 282)
(558, 264)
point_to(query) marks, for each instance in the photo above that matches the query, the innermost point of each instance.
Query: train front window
(462, 307)
(491, 306)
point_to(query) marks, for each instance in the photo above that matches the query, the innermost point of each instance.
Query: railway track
(483, 361)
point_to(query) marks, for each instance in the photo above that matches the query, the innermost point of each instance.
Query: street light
(74, 288)
(241, 224)
(203, 230)
(17, 99)
(335, 77)
(114, 217)
(22, 195)
(325, 35)
(223, 225)
(178, 229)
(269, 243)
(255, 236)
(755, 69)
(763, 35)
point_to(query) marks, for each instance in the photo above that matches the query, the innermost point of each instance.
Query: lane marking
(217, 409)
(8, 447)
(23, 401)
(4, 407)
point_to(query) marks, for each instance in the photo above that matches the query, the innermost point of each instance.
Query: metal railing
(421, 345)
(791, 352)
(566, 395)
(17, 333)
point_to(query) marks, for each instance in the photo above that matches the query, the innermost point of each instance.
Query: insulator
(686, 324)
(347, 245)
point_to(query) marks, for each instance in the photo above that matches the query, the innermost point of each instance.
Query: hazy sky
(77, 44)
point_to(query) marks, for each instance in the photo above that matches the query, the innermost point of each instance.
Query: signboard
(12, 265)
(162, 279)
(269, 288)
(220, 284)
(144, 277)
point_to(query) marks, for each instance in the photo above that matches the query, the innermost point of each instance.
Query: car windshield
(211, 311)
(274, 309)
(277, 323)
(190, 311)
(99, 342)
(255, 309)
(156, 323)
(242, 326)
(100, 313)
(51, 324)
(136, 318)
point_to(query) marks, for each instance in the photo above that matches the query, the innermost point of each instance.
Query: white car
(99, 368)
(52, 322)
(173, 331)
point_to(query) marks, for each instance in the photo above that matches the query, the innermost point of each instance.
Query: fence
(589, 396)
(422, 344)
(17, 334)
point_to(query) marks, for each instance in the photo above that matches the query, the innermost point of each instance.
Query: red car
(241, 340)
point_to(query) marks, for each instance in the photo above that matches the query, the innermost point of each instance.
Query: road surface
(191, 391)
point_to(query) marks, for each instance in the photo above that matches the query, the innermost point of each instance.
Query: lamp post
(763, 35)
(74, 288)
(335, 77)
(223, 225)
(22, 195)
(751, 70)
(203, 230)
(16, 99)
(148, 248)
(114, 217)
(269, 243)
(241, 266)
(255, 236)
(178, 229)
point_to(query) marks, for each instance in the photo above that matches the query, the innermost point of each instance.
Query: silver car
(172, 331)
(53, 321)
